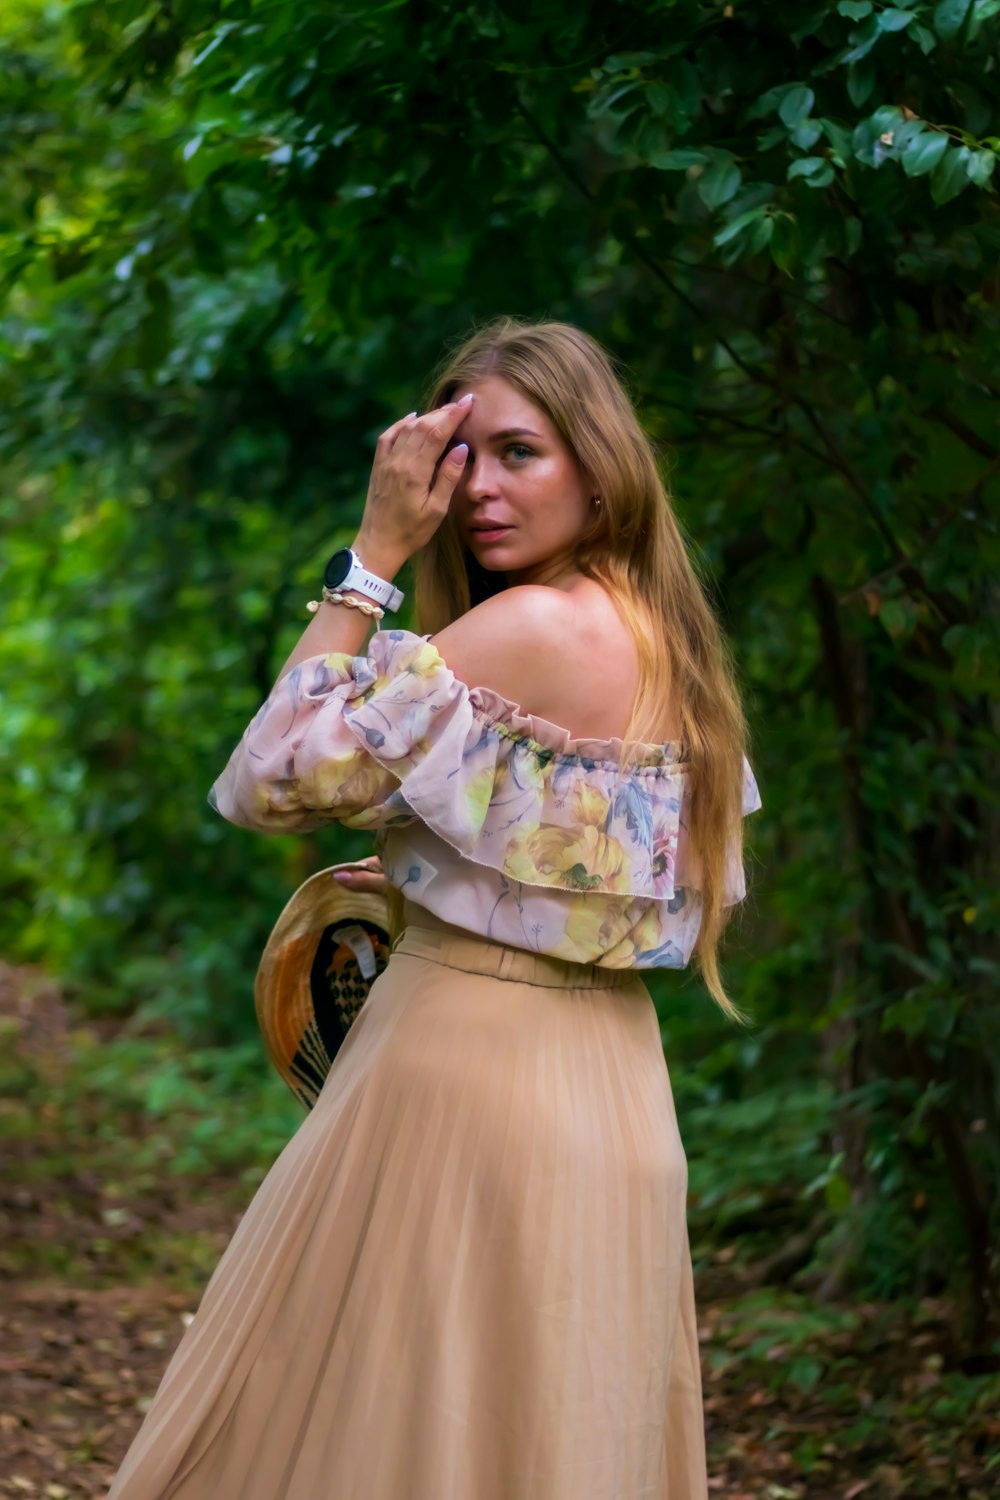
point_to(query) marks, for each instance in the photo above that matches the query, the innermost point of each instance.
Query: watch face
(338, 568)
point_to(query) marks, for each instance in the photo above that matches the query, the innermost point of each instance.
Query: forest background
(235, 237)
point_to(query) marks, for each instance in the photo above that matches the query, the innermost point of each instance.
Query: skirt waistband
(427, 936)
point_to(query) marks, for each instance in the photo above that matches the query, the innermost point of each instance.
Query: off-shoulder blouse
(497, 821)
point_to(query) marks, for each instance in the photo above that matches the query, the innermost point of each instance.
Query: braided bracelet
(332, 596)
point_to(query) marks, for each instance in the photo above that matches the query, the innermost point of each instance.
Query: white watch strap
(380, 589)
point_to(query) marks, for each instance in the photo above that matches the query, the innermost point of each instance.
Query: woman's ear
(591, 487)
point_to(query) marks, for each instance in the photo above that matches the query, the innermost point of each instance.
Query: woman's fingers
(364, 880)
(430, 433)
(437, 472)
(387, 441)
(413, 477)
(437, 427)
(363, 875)
(449, 472)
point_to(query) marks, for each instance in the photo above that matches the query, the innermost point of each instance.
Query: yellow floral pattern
(498, 820)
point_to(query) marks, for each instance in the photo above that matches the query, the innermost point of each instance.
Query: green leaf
(924, 38)
(860, 82)
(951, 174)
(806, 133)
(785, 244)
(908, 132)
(737, 225)
(676, 161)
(760, 235)
(821, 179)
(894, 20)
(867, 142)
(895, 617)
(797, 104)
(887, 117)
(718, 183)
(816, 170)
(805, 1371)
(923, 154)
(974, 649)
(840, 140)
(624, 62)
(768, 138)
(981, 167)
(949, 17)
(808, 26)
(863, 39)
(837, 1192)
(855, 10)
(772, 100)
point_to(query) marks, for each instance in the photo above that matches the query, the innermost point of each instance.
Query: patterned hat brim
(325, 951)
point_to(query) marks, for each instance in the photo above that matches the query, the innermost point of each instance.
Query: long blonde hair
(633, 546)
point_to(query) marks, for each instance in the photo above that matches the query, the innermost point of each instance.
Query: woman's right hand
(411, 484)
(363, 875)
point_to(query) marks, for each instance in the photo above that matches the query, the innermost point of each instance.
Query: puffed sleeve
(689, 865)
(304, 760)
(735, 887)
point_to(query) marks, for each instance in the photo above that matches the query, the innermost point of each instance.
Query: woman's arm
(408, 497)
(338, 734)
(336, 627)
(297, 765)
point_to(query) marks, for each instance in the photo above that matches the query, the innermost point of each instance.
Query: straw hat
(327, 947)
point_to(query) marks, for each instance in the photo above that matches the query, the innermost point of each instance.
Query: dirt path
(77, 1371)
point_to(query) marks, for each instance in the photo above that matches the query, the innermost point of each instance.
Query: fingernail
(343, 875)
(466, 400)
(459, 453)
(409, 414)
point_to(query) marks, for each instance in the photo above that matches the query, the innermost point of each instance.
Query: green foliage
(115, 1140)
(879, 1387)
(233, 243)
(185, 1113)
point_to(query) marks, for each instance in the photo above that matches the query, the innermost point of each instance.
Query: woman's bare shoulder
(594, 696)
(562, 655)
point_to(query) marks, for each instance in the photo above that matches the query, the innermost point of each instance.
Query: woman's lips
(489, 533)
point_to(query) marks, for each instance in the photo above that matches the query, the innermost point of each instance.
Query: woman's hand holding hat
(363, 875)
(323, 954)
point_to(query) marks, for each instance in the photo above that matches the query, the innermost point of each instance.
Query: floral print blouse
(496, 821)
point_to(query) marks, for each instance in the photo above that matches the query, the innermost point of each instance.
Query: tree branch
(843, 467)
(964, 433)
(710, 414)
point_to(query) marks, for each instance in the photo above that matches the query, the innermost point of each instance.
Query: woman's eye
(519, 450)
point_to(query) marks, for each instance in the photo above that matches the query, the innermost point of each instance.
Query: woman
(467, 1276)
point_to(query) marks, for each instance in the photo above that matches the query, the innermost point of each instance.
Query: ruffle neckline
(379, 741)
(556, 743)
(508, 789)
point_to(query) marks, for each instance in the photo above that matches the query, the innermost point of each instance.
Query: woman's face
(522, 503)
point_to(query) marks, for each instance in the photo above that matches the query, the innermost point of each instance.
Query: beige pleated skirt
(467, 1275)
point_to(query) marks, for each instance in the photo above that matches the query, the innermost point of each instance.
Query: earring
(596, 500)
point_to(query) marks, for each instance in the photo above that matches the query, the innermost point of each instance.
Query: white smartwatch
(345, 571)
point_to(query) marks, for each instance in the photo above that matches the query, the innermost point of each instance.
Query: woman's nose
(480, 478)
